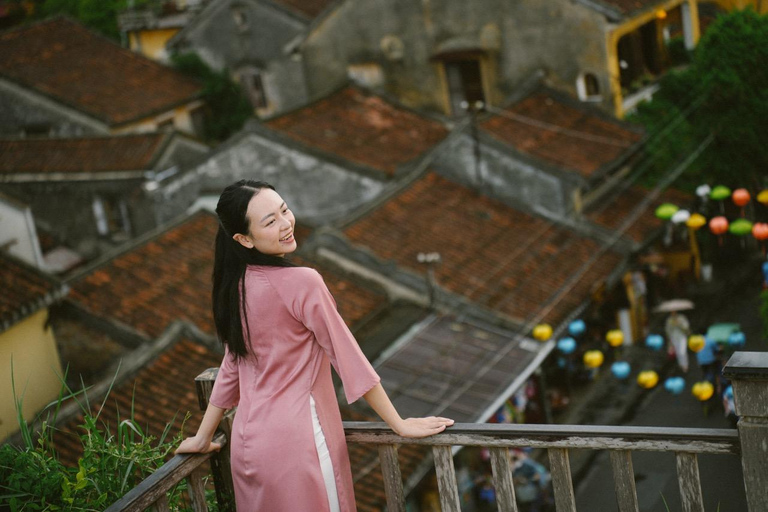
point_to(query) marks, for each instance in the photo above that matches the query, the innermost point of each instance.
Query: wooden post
(748, 372)
(220, 462)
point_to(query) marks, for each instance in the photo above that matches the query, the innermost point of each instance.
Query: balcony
(748, 372)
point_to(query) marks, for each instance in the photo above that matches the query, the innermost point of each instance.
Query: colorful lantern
(654, 341)
(765, 272)
(737, 339)
(703, 191)
(703, 390)
(681, 216)
(760, 231)
(593, 358)
(762, 197)
(740, 197)
(542, 332)
(674, 385)
(696, 221)
(718, 225)
(666, 211)
(566, 345)
(615, 337)
(620, 369)
(740, 227)
(720, 192)
(648, 379)
(696, 342)
(577, 328)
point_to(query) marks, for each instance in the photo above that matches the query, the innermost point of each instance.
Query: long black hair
(230, 261)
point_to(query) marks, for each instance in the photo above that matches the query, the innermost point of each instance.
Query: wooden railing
(749, 374)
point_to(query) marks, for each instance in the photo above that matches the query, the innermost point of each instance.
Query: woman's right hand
(197, 444)
(423, 427)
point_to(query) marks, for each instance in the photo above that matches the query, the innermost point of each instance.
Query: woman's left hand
(422, 427)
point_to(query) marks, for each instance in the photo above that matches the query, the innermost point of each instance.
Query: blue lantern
(566, 345)
(654, 341)
(674, 385)
(620, 369)
(737, 339)
(577, 328)
(728, 393)
(765, 271)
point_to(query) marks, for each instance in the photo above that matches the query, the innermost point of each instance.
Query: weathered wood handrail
(153, 490)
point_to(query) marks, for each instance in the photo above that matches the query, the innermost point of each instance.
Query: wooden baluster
(393, 481)
(446, 479)
(197, 490)
(690, 483)
(624, 480)
(502, 479)
(560, 466)
(220, 462)
(161, 505)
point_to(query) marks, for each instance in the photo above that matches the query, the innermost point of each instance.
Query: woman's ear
(243, 240)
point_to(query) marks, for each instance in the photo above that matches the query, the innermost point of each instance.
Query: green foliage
(33, 479)
(100, 15)
(227, 106)
(729, 78)
(764, 311)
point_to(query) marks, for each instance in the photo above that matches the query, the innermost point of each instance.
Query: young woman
(281, 333)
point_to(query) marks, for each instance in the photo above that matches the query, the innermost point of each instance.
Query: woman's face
(270, 225)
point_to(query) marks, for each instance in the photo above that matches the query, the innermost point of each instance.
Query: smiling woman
(281, 333)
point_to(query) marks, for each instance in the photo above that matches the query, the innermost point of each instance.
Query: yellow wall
(182, 121)
(36, 369)
(151, 43)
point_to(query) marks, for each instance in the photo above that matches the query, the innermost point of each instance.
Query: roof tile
(363, 129)
(24, 290)
(64, 60)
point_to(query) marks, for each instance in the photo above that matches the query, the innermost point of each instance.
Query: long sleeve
(226, 389)
(316, 309)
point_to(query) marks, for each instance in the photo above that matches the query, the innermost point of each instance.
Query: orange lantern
(740, 197)
(615, 337)
(760, 231)
(718, 225)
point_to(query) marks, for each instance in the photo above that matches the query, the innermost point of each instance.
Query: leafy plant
(113, 462)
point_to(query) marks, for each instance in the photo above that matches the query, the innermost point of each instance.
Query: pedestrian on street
(678, 329)
(281, 333)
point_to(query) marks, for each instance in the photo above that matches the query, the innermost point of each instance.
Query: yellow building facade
(31, 346)
(151, 42)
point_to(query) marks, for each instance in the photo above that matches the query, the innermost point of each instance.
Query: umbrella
(673, 305)
(720, 332)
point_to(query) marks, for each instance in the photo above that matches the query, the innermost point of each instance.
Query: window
(465, 83)
(250, 80)
(111, 215)
(588, 87)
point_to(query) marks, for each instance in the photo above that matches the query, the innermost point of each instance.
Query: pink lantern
(718, 225)
(740, 197)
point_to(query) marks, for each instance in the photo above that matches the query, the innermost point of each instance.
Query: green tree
(227, 106)
(100, 15)
(729, 77)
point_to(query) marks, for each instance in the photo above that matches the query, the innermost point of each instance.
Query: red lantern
(760, 231)
(740, 197)
(718, 225)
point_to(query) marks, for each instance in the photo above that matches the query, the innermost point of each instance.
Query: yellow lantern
(593, 358)
(696, 342)
(615, 337)
(762, 197)
(542, 332)
(648, 379)
(696, 221)
(703, 390)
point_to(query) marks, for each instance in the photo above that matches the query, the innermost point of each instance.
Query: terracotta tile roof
(25, 290)
(309, 8)
(169, 278)
(65, 61)
(163, 388)
(612, 212)
(136, 152)
(557, 148)
(495, 255)
(363, 129)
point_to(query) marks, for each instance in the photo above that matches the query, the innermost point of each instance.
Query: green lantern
(720, 193)
(740, 227)
(666, 211)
